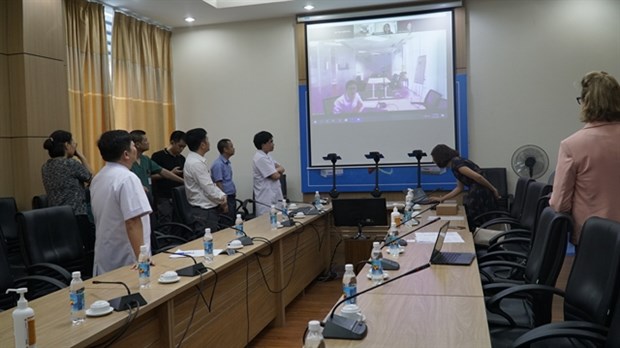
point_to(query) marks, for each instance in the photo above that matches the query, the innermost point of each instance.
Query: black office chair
(8, 225)
(242, 208)
(432, 101)
(183, 213)
(542, 266)
(51, 235)
(497, 177)
(591, 291)
(7, 281)
(39, 201)
(516, 206)
(527, 220)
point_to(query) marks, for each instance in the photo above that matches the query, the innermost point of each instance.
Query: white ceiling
(172, 13)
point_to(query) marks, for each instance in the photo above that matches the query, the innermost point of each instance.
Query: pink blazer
(587, 176)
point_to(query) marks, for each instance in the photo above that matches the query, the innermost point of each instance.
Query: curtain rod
(132, 14)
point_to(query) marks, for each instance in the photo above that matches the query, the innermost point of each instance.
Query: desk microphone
(124, 302)
(245, 239)
(339, 327)
(414, 230)
(287, 223)
(403, 242)
(190, 271)
(391, 265)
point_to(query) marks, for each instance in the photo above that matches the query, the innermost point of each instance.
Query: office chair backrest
(182, 208)
(592, 287)
(39, 202)
(546, 258)
(516, 208)
(52, 235)
(532, 204)
(8, 209)
(432, 98)
(6, 279)
(497, 177)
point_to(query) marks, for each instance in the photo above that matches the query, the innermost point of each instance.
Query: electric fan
(530, 161)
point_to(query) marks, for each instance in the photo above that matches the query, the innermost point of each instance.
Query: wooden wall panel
(39, 102)
(5, 120)
(6, 174)
(28, 157)
(37, 27)
(3, 27)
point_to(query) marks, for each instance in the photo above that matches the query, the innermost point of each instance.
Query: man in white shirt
(203, 195)
(350, 101)
(267, 173)
(119, 204)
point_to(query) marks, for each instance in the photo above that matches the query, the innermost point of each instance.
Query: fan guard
(530, 161)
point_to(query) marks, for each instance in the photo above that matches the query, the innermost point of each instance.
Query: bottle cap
(207, 230)
(78, 274)
(143, 249)
(238, 216)
(314, 325)
(348, 267)
(375, 244)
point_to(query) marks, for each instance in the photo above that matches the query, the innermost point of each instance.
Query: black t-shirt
(162, 188)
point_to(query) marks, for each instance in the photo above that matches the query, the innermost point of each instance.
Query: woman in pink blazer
(587, 176)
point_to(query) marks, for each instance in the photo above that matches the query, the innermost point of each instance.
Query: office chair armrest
(519, 232)
(510, 241)
(503, 263)
(493, 288)
(493, 302)
(25, 280)
(500, 255)
(502, 220)
(482, 218)
(568, 329)
(489, 275)
(174, 224)
(45, 269)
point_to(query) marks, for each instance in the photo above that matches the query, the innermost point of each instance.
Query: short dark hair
(137, 135)
(55, 144)
(222, 144)
(112, 144)
(442, 154)
(349, 83)
(261, 138)
(194, 137)
(177, 136)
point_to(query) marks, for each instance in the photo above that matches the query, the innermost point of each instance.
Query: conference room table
(252, 289)
(440, 306)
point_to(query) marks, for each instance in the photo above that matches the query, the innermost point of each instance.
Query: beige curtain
(88, 75)
(142, 75)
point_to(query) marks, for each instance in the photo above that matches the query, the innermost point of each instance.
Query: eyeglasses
(579, 100)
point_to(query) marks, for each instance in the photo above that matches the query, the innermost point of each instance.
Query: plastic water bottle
(408, 211)
(349, 283)
(239, 226)
(77, 299)
(376, 271)
(314, 337)
(409, 196)
(392, 235)
(284, 210)
(207, 242)
(317, 201)
(144, 267)
(273, 217)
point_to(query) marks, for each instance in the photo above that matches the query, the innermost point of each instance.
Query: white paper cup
(99, 306)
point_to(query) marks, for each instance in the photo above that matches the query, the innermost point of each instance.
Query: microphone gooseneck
(412, 231)
(119, 283)
(190, 271)
(288, 223)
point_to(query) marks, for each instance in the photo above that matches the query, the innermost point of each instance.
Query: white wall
(526, 58)
(235, 80)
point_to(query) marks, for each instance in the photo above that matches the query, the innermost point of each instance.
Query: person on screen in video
(387, 29)
(350, 101)
(482, 195)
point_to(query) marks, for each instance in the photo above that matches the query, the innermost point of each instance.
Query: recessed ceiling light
(189, 19)
(309, 7)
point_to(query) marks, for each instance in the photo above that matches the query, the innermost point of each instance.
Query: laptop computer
(448, 258)
(420, 197)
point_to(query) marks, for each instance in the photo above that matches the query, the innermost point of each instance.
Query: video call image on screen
(362, 73)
